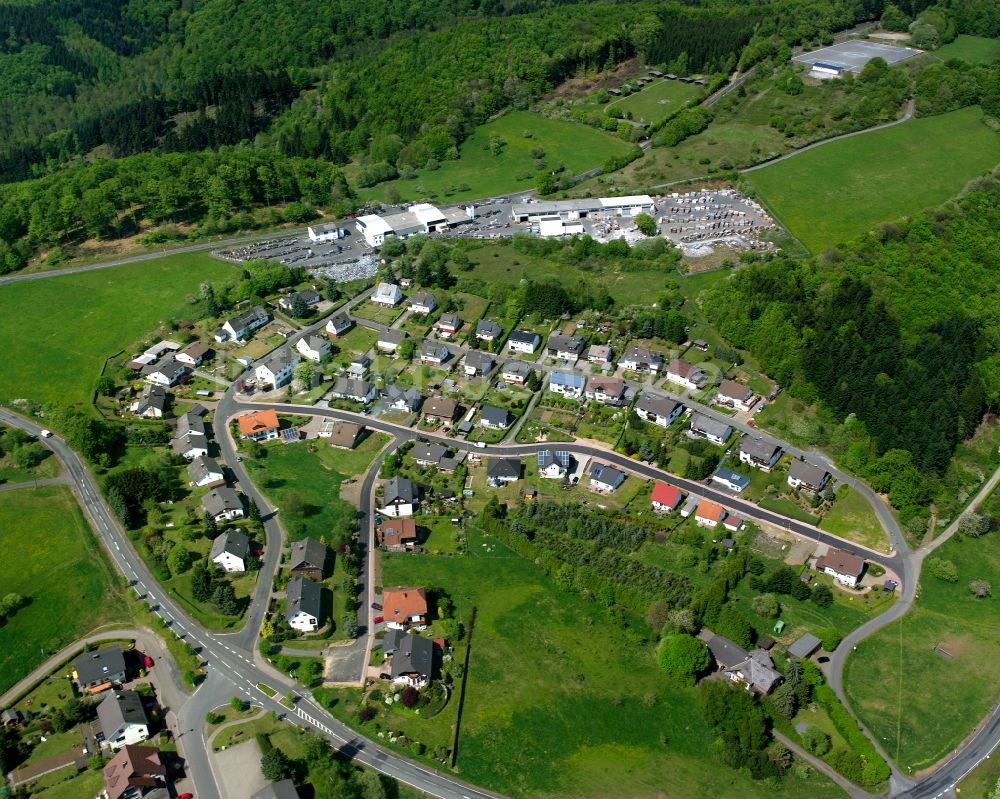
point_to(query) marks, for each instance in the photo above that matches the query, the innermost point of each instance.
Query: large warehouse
(418, 218)
(580, 209)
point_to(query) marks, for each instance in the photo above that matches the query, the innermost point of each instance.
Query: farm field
(974, 49)
(918, 683)
(53, 560)
(655, 101)
(48, 361)
(478, 173)
(592, 713)
(878, 176)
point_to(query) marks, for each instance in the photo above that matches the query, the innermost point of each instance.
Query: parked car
(46, 433)
(378, 619)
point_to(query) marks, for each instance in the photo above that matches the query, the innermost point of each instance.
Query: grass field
(974, 49)
(53, 560)
(87, 783)
(479, 173)
(919, 701)
(655, 101)
(51, 359)
(590, 712)
(853, 518)
(841, 190)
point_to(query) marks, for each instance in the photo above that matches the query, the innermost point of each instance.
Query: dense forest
(898, 332)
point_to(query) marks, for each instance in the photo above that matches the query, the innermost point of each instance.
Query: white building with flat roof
(374, 228)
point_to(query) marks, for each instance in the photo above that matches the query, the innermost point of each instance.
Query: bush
(830, 638)
(816, 741)
(822, 595)
(366, 713)
(766, 605)
(683, 657)
(942, 569)
(409, 697)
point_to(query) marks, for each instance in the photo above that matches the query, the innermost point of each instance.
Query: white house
(229, 551)
(759, 453)
(338, 325)
(190, 439)
(567, 384)
(843, 566)
(389, 340)
(477, 363)
(303, 604)
(448, 325)
(374, 228)
(387, 294)
(686, 375)
(167, 373)
(656, 409)
(222, 504)
(487, 330)
(495, 418)
(709, 513)
(151, 404)
(400, 497)
(524, 341)
(423, 302)
(806, 476)
(604, 478)
(640, 359)
(278, 369)
(605, 389)
(705, 427)
(205, 472)
(433, 352)
(735, 395)
(516, 372)
(355, 389)
(244, 324)
(319, 234)
(567, 348)
(123, 719)
(193, 354)
(553, 464)
(313, 347)
(665, 498)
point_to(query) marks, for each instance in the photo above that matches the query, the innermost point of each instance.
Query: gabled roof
(804, 646)
(255, 314)
(509, 468)
(221, 499)
(423, 298)
(120, 708)
(449, 320)
(656, 404)
(524, 337)
(641, 355)
(400, 489)
(414, 655)
(613, 386)
(314, 342)
(759, 672)
(344, 434)
(339, 321)
(433, 349)
(440, 406)
(408, 396)
(547, 457)
(307, 553)
(487, 327)
(480, 361)
(608, 475)
(573, 380)
(197, 349)
(391, 336)
(734, 391)
(806, 472)
(387, 291)
(396, 532)
(495, 416)
(666, 494)
(562, 343)
(168, 367)
(230, 542)
(729, 476)
(352, 387)
(516, 368)
(133, 767)
(202, 467)
(726, 653)
(257, 422)
(402, 602)
(709, 510)
(682, 368)
(709, 426)
(303, 596)
(758, 448)
(423, 452)
(93, 667)
(841, 561)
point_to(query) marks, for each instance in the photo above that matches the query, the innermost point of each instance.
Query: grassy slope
(918, 701)
(853, 518)
(588, 709)
(841, 190)
(974, 49)
(52, 558)
(57, 332)
(646, 106)
(577, 146)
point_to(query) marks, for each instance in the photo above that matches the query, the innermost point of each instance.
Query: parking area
(853, 55)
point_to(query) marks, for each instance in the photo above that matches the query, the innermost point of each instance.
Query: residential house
(222, 504)
(387, 294)
(152, 403)
(134, 772)
(487, 330)
(804, 475)
(567, 384)
(606, 389)
(478, 363)
(440, 409)
(303, 604)
(259, 425)
(343, 435)
(425, 454)
(168, 372)
(310, 297)
(277, 790)
(338, 324)
(758, 452)
(352, 389)
(843, 566)
(448, 325)
(500, 471)
(308, 558)
(665, 497)
(404, 607)
(406, 400)
(735, 395)
(704, 427)
(400, 498)
(229, 551)
(123, 719)
(423, 302)
(389, 340)
(516, 372)
(495, 418)
(433, 352)
(599, 354)
(727, 478)
(640, 359)
(525, 341)
(605, 478)
(553, 464)
(277, 370)
(657, 409)
(243, 325)
(709, 513)
(205, 472)
(359, 367)
(98, 670)
(566, 348)
(190, 439)
(753, 669)
(398, 535)
(686, 375)
(193, 354)
(413, 661)
(313, 347)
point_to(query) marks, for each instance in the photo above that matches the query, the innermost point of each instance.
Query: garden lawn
(655, 101)
(974, 49)
(51, 558)
(479, 173)
(87, 783)
(851, 517)
(590, 713)
(843, 189)
(383, 314)
(919, 701)
(51, 358)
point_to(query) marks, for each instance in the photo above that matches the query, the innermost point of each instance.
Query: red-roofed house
(666, 497)
(404, 607)
(709, 513)
(259, 425)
